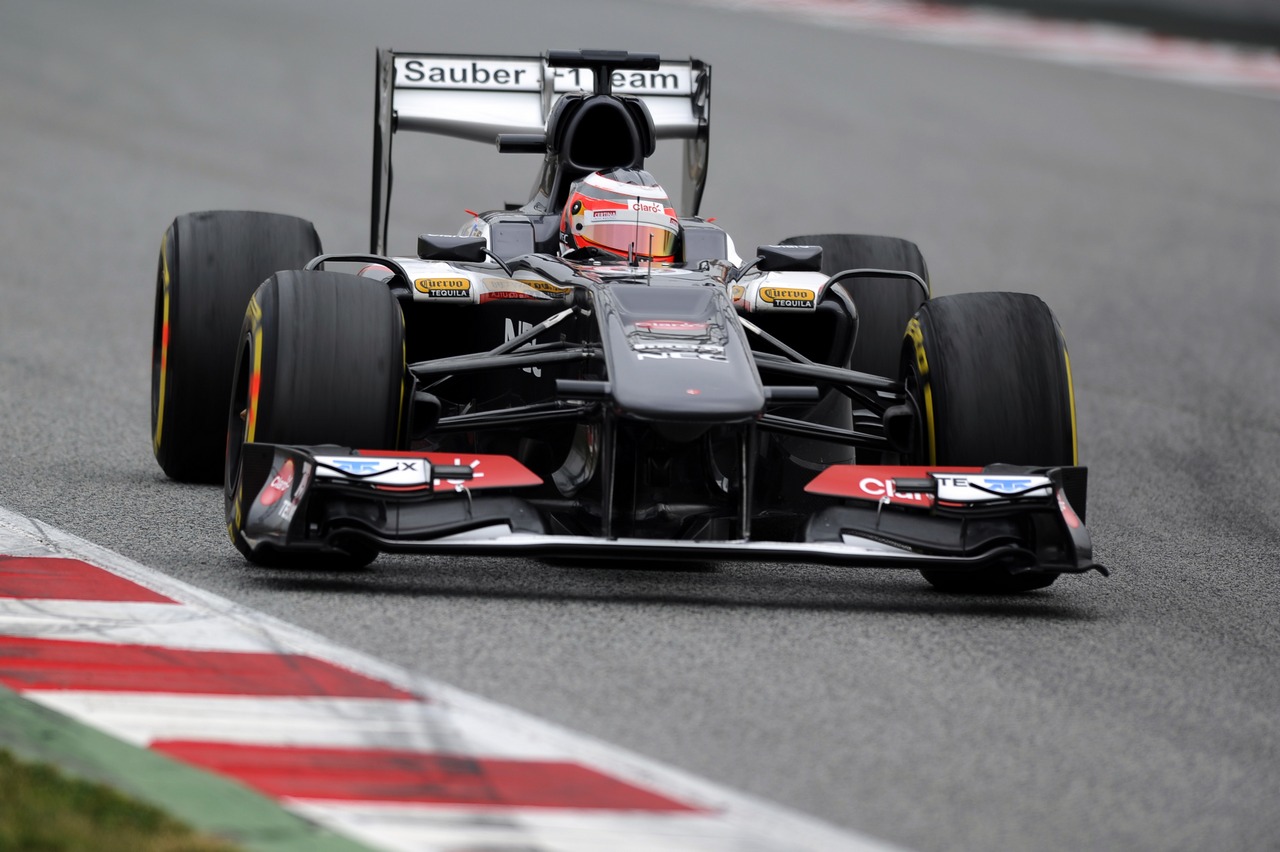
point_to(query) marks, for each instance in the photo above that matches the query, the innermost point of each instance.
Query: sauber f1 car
(597, 373)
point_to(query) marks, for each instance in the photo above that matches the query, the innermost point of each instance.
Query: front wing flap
(1023, 517)
(327, 499)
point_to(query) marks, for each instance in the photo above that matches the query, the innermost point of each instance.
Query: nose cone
(677, 354)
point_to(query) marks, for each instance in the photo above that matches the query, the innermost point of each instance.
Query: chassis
(489, 395)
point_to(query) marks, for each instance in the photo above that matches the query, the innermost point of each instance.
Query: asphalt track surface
(1136, 712)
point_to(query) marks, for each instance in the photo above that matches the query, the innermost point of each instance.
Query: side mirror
(789, 258)
(449, 247)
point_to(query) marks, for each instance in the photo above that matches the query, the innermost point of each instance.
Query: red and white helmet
(622, 211)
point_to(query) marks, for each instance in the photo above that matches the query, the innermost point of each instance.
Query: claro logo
(279, 484)
(879, 488)
(782, 297)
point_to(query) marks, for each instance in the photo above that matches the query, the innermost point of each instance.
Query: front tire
(209, 265)
(990, 376)
(321, 361)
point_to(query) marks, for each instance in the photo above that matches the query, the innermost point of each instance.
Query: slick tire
(990, 375)
(884, 304)
(320, 361)
(209, 265)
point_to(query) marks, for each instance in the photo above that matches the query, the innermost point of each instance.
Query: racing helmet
(621, 211)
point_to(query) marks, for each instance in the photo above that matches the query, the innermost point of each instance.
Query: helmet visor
(645, 239)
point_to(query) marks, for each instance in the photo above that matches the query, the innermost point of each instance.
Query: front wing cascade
(332, 499)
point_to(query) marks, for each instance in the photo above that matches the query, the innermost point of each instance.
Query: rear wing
(480, 97)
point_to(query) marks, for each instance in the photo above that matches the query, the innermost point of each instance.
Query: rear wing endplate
(478, 97)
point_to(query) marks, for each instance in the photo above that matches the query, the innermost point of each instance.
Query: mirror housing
(789, 258)
(451, 247)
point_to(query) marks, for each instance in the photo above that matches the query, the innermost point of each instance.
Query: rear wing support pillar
(383, 129)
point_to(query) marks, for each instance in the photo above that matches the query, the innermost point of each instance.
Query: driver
(623, 212)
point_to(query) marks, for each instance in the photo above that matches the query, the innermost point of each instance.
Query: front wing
(334, 500)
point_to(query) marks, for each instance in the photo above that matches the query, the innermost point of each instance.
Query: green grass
(42, 810)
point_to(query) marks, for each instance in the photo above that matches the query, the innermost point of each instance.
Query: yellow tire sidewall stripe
(1071, 402)
(916, 335)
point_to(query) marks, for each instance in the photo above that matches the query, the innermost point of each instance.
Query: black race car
(516, 388)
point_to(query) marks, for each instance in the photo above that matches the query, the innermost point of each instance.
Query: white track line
(355, 722)
(434, 719)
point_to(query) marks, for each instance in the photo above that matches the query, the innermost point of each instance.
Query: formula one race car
(594, 374)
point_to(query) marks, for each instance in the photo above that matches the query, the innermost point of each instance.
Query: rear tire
(209, 265)
(321, 361)
(884, 304)
(990, 374)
